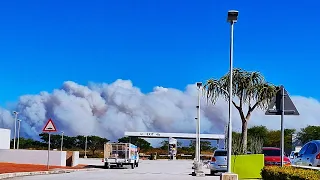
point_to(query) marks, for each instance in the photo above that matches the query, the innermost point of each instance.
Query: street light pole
(61, 140)
(199, 84)
(15, 128)
(85, 147)
(196, 148)
(19, 121)
(232, 18)
(198, 166)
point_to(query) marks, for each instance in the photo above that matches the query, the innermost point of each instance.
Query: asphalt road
(155, 170)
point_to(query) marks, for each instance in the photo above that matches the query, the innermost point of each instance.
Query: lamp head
(199, 84)
(232, 16)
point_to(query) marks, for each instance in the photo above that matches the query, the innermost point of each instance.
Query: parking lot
(156, 170)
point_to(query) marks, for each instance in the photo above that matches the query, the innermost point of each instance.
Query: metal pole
(226, 137)
(85, 148)
(199, 140)
(18, 133)
(230, 100)
(48, 161)
(282, 127)
(15, 128)
(61, 140)
(196, 148)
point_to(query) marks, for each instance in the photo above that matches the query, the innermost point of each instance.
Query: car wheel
(213, 172)
(107, 166)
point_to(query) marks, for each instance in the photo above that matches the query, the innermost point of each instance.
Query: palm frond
(213, 89)
(247, 86)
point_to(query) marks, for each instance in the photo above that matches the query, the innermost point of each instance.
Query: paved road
(155, 170)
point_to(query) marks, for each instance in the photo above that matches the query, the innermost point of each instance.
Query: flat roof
(174, 135)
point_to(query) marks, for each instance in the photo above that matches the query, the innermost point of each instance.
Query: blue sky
(168, 43)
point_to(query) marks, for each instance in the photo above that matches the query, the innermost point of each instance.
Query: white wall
(75, 158)
(21, 156)
(5, 138)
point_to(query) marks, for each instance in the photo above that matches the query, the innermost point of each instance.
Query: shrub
(255, 145)
(288, 173)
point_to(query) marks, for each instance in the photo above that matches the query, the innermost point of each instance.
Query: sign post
(282, 105)
(48, 128)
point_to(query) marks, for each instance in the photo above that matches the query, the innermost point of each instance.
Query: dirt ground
(11, 167)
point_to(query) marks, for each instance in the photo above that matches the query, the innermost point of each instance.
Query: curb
(57, 171)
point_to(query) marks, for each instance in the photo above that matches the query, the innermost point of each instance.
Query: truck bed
(121, 154)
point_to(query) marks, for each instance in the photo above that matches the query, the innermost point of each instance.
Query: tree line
(270, 138)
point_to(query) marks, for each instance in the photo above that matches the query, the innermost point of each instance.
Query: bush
(288, 173)
(255, 145)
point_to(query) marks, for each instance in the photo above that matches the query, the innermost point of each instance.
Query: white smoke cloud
(111, 109)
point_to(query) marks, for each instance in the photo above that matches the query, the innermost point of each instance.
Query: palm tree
(251, 90)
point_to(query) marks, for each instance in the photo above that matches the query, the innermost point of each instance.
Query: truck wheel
(132, 166)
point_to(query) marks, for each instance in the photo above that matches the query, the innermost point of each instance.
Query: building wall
(22, 156)
(75, 158)
(5, 138)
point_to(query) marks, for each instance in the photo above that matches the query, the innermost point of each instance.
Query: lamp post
(85, 148)
(61, 140)
(199, 84)
(196, 148)
(232, 19)
(15, 128)
(197, 164)
(19, 121)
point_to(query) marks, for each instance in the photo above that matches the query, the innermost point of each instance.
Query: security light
(199, 84)
(233, 16)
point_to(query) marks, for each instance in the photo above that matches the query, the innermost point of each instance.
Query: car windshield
(220, 153)
(271, 152)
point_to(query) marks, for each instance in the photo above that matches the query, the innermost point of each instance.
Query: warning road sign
(276, 105)
(49, 127)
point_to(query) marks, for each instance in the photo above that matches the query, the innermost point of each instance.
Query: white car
(309, 155)
(218, 161)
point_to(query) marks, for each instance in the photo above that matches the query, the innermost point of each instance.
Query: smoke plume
(109, 110)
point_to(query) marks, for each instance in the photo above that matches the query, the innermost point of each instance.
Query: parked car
(293, 154)
(272, 156)
(309, 155)
(218, 161)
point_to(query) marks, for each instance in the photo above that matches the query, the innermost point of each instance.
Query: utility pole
(19, 121)
(61, 140)
(85, 148)
(15, 128)
(232, 19)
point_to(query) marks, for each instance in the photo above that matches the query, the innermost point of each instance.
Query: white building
(5, 138)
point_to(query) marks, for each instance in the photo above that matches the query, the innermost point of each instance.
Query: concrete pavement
(155, 170)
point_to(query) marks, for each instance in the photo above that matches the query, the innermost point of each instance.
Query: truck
(120, 154)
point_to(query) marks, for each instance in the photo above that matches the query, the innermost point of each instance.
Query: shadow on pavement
(102, 167)
(193, 174)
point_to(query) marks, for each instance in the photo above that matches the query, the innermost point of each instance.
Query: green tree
(249, 87)
(141, 143)
(25, 143)
(204, 145)
(69, 142)
(96, 143)
(80, 141)
(308, 133)
(259, 132)
(274, 139)
(55, 140)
